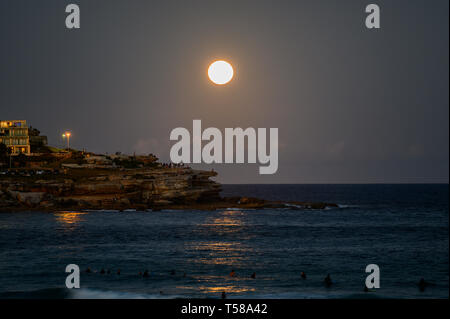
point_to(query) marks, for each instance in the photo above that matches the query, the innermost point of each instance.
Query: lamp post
(67, 135)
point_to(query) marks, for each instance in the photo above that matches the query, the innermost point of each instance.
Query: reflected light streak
(69, 219)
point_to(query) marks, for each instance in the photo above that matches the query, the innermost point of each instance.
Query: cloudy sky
(352, 105)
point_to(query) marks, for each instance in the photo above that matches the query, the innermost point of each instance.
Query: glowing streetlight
(67, 135)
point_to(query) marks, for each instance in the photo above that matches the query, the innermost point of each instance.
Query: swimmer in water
(423, 284)
(145, 274)
(253, 276)
(224, 296)
(233, 273)
(303, 275)
(118, 271)
(102, 271)
(328, 281)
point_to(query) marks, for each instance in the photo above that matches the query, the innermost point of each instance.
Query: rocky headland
(119, 183)
(120, 189)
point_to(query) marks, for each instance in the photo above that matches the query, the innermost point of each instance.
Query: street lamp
(67, 135)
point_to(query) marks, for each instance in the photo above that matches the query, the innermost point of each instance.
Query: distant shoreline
(231, 184)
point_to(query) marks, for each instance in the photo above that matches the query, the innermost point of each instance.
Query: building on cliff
(36, 139)
(14, 134)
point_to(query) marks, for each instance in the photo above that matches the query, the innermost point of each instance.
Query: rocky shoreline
(122, 189)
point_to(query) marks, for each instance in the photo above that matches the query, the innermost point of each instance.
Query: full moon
(220, 72)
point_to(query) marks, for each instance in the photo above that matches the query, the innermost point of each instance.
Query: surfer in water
(423, 284)
(328, 281)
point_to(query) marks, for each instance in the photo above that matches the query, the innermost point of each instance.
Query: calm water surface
(401, 228)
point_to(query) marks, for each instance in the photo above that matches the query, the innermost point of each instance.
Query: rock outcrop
(109, 189)
(120, 189)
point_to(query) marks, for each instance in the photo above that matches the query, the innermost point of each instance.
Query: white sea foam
(347, 206)
(293, 205)
(88, 293)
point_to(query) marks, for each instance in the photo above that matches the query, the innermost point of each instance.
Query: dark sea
(404, 229)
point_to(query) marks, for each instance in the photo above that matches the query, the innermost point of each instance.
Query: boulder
(30, 198)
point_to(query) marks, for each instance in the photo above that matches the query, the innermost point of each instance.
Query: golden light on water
(217, 290)
(221, 253)
(69, 220)
(217, 252)
(220, 72)
(227, 289)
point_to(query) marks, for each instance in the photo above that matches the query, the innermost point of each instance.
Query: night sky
(352, 105)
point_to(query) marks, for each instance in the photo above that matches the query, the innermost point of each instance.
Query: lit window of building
(14, 134)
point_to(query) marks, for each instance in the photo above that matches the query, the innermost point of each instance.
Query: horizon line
(388, 183)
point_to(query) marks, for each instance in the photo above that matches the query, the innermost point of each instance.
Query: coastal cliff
(61, 180)
(109, 189)
(121, 189)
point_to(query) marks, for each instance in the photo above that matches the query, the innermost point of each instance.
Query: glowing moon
(220, 72)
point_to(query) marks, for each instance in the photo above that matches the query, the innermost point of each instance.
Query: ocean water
(401, 228)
